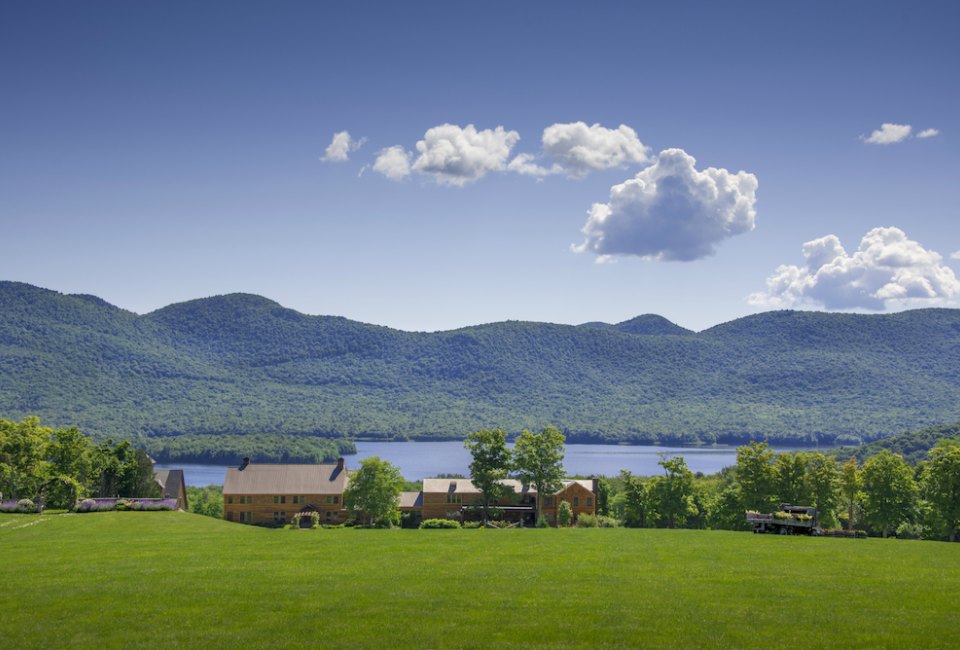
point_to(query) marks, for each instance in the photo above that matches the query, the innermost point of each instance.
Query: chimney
(243, 465)
(340, 464)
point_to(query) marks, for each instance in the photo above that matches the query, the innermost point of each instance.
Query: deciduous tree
(889, 491)
(538, 461)
(673, 491)
(755, 476)
(374, 491)
(489, 465)
(941, 484)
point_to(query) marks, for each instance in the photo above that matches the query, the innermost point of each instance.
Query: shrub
(586, 520)
(26, 505)
(604, 521)
(543, 522)
(564, 514)
(907, 530)
(440, 523)
(472, 524)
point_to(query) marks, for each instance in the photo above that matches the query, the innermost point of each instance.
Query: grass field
(176, 580)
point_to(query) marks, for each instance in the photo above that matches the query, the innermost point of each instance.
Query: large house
(460, 499)
(271, 494)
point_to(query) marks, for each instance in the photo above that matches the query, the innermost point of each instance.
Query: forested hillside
(242, 364)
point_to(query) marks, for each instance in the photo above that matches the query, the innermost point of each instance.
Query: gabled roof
(270, 478)
(170, 481)
(410, 500)
(466, 486)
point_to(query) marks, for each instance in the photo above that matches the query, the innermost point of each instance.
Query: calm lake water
(418, 460)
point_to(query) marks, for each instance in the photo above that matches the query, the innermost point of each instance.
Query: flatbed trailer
(789, 520)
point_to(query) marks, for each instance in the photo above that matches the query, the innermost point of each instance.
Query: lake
(418, 460)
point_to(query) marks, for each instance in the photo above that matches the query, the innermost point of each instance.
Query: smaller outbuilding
(172, 486)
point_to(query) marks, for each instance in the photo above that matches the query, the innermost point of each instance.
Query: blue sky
(157, 152)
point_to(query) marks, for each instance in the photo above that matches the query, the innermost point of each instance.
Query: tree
(603, 496)
(374, 491)
(790, 479)
(851, 482)
(673, 492)
(889, 491)
(755, 476)
(822, 484)
(941, 484)
(564, 514)
(637, 510)
(23, 451)
(490, 464)
(538, 461)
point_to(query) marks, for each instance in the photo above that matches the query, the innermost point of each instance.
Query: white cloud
(929, 133)
(671, 211)
(456, 156)
(393, 162)
(526, 164)
(580, 149)
(889, 134)
(340, 147)
(886, 269)
(955, 255)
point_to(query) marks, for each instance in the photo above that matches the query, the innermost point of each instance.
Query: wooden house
(271, 494)
(460, 499)
(172, 486)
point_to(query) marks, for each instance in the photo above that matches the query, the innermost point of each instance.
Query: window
(576, 502)
(229, 516)
(336, 498)
(454, 498)
(283, 498)
(548, 502)
(276, 517)
(329, 498)
(276, 499)
(589, 502)
(230, 499)
(283, 517)
(303, 499)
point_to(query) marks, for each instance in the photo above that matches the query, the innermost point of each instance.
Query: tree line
(883, 496)
(57, 467)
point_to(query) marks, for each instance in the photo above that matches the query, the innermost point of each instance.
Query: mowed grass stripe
(174, 579)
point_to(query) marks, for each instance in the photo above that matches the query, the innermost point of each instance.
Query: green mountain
(242, 365)
(913, 446)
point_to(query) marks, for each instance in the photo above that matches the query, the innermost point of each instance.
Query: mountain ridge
(241, 363)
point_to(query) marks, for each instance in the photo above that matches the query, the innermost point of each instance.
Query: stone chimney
(340, 464)
(243, 465)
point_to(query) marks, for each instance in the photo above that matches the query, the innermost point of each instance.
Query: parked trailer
(789, 520)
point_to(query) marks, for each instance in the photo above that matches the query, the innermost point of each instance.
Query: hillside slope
(244, 364)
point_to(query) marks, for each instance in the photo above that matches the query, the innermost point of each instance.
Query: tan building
(271, 494)
(459, 499)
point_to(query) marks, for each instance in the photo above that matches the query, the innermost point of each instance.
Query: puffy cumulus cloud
(955, 255)
(393, 162)
(671, 211)
(340, 147)
(889, 134)
(929, 133)
(580, 149)
(456, 156)
(886, 268)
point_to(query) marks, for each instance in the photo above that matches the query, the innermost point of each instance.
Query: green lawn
(176, 580)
